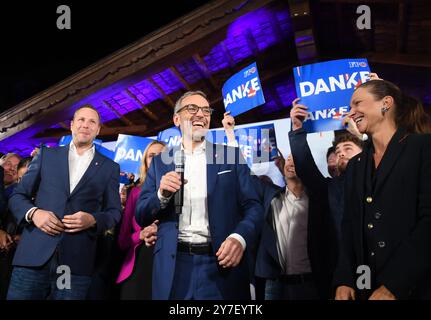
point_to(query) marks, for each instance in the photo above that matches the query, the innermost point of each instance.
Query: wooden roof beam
(402, 26)
(415, 60)
(166, 98)
(180, 78)
(144, 108)
(204, 69)
(64, 125)
(229, 58)
(122, 118)
(251, 42)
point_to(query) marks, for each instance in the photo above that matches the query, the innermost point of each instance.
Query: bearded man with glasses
(200, 253)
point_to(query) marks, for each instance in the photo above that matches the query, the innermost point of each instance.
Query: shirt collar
(199, 149)
(289, 193)
(91, 151)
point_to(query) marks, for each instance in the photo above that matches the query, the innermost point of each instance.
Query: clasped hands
(48, 222)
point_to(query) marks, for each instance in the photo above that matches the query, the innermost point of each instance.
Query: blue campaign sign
(326, 88)
(129, 151)
(257, 143)
(105, 151)
(65, 140)
(243, 91)
(170, 136)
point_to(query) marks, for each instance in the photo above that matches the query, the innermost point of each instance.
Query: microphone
(179, 168)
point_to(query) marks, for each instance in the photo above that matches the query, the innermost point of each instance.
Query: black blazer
(400, 219)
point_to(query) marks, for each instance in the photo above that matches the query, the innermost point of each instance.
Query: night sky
(36, 55)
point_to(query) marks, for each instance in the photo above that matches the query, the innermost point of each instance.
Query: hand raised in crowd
(374, 76)
(149, 234)
(34, 152)
(228, 121)
(351, 126)
(5, 240)
(170, 183)
(78, 221)
(344, 293)
(298, 114)
(47, 222)
(230, 253)
(382, 293)
(229, 125)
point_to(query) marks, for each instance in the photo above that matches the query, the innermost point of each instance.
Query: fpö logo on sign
(333, 83)
(357, 64)
(250, 71)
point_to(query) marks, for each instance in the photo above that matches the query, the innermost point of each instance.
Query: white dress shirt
(291, 224)
(78, 164)
(193, 221)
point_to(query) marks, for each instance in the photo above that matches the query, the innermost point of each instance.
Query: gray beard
(198, 137)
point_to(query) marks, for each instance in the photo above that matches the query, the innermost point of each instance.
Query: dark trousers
(195, 278)
(40, 283)
(279, 289)
(6, 258)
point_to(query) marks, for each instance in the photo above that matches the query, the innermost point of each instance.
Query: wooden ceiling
(135, 88)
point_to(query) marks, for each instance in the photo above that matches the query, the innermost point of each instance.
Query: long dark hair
(409, 112)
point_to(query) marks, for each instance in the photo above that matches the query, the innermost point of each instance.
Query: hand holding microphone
(179, 169)
(169, 184)
(173, 182)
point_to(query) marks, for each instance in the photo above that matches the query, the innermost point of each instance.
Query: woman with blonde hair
(136, 271)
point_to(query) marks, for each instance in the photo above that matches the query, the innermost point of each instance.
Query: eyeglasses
(193, 109)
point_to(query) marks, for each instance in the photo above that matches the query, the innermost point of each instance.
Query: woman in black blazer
(387, 218)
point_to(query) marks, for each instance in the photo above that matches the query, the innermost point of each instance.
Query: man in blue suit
(68, 197)
(200, 254)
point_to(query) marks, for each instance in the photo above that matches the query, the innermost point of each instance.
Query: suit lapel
(359, 179)
(172, 152)
(361, 169)
(64, 167)
(94, 166)
(393, 151)
(212, 166)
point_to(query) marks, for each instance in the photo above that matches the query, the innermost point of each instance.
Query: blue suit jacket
(47, 179)
(233, 207)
